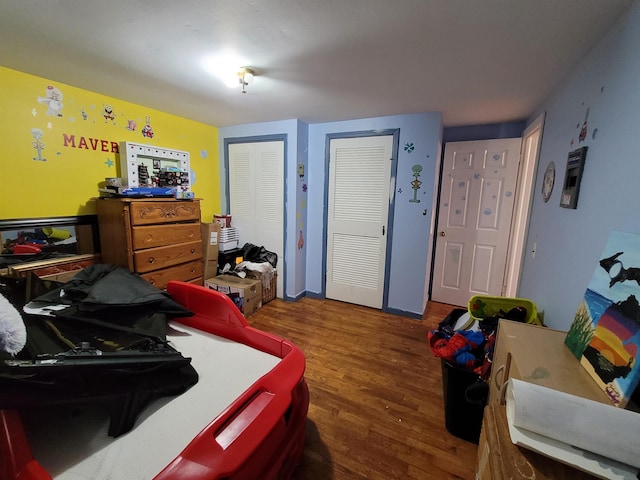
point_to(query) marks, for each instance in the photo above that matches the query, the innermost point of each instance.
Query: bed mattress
(245, 418)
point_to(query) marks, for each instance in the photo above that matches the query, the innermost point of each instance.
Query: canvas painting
(605, 333)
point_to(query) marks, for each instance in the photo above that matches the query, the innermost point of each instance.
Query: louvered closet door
(256, 197)
(359, 175)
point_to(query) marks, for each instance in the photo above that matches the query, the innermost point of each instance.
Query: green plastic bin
(484, 306)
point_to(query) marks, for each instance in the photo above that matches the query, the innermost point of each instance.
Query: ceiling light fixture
(245, 77)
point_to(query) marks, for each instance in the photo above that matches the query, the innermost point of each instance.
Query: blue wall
(295, 216)
(420, 134)
(569, 242)
(489, 131)
(409, 255)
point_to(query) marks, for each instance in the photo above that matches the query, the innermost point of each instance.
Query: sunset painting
(605, 334)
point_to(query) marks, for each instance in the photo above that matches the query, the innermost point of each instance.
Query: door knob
(442, 234)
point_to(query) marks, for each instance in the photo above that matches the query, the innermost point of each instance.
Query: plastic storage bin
(463, 418)
(483, 306)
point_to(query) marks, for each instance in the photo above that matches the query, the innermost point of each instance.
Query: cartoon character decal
(53, 100)
(38, 144)
(583, 130)
(415, 184)
(147, 130)
(108, 114)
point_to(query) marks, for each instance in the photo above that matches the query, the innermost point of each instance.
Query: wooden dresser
(158, 238)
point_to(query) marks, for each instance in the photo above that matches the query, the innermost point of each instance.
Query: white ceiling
(476, 61)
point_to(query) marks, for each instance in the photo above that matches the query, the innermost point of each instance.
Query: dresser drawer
(146, 213)
(160, 257)
(187, 272)
(160, 235)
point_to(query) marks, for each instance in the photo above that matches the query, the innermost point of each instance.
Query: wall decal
(108, 114)
(109, 163)
(84, 114)
(415, 184)
(300, 241)
(408, 147)
(131, 125)
(304, 187)
(53, 100)
(147, 130)
(301, 171)
(583, 130)
(37, 135)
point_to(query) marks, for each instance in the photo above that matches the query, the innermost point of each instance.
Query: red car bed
(244, 419)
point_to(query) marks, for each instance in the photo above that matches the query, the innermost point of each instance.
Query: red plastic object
(259, 436)
(26, 249)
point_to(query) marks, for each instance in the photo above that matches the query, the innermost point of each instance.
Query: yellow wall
(62, 180)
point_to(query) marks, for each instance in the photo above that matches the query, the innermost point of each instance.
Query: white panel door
(256, 196)
(358, 207)
(474, 219)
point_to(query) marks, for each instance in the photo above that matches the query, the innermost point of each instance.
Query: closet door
(358, 208)
(256, 196)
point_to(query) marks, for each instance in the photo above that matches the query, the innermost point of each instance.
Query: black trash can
(465, 396)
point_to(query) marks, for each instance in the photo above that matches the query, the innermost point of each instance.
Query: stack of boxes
(246, 293)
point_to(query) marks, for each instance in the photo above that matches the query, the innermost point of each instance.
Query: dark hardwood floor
(376, 408)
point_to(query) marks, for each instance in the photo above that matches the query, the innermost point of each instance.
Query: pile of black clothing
(99, 338)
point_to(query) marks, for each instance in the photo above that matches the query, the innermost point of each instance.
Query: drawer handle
(151, 260)
(193, 269)
(193, 250)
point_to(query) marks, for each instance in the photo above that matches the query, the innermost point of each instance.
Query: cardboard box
(269, 284)
(246, 293)
(210, 233)
(210, 268)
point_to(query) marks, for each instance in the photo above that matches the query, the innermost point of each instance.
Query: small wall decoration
(108, 114)
(415, 184)
(409, 147)
(583, 130)
(38, 144)
(53, 100)
(147, 130)
(548, 181)
(301, 171)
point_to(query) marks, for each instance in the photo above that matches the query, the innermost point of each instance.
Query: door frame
(525, 186)
(515, 254)
(395, 132)
(227, 200)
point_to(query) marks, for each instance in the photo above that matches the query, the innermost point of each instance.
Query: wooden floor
(376, 391)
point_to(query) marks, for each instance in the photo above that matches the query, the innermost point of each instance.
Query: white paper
(588, 429)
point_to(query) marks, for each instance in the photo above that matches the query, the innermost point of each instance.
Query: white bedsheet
(74, 445)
